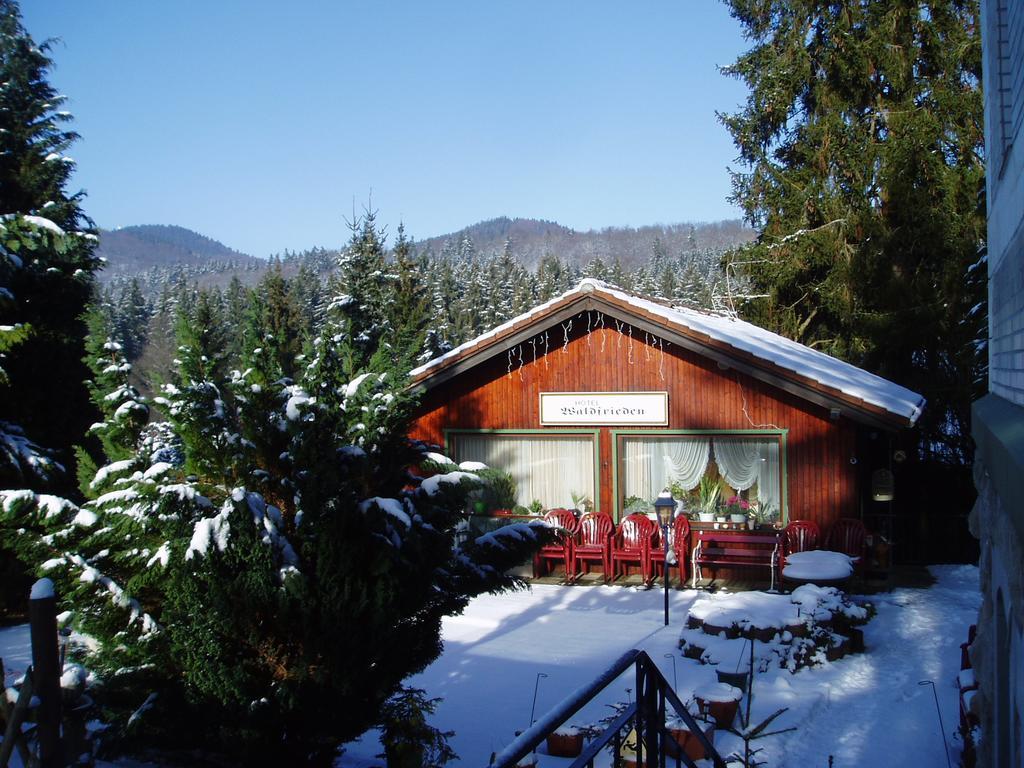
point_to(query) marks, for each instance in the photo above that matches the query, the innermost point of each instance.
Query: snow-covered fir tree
(261, 574)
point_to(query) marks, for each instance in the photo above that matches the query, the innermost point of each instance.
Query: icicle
(588, 328)
(509, 372)
(545, 350)
(630, 345)
(600, 322)
(566, 327)
(533, 343)
(647, 346)
(618, 337)
(661, 359)
(520, 348)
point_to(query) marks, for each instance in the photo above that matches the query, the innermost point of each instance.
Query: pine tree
(362, 291)
(275, 323)
(862, 141)
(407, 311)
(46, 269)
(267, 571)
(132, 319)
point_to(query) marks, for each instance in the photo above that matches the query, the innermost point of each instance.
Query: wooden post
(15, 715)
(42, 617)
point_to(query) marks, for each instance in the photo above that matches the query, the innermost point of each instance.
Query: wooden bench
(735, 549)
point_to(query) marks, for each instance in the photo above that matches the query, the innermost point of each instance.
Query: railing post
(42, 617)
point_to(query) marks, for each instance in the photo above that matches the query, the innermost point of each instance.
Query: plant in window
(536, 508)
(580, 501)
(499, 491)
(767, 514)
(710, 492)
(636, 504)
(734, 505)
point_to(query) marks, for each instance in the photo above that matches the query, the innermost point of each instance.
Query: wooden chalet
(602, 394)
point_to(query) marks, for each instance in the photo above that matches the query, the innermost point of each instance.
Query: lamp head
(665, 506)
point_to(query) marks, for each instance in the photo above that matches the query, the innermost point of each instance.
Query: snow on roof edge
(740, 335)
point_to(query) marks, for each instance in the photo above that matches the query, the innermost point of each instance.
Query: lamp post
(665, 506)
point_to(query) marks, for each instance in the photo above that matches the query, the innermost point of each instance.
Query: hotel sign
(649, 409)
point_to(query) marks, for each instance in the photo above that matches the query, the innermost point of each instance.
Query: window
(548, 468)
(746, 465)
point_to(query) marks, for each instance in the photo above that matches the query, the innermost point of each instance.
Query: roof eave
(699, 343)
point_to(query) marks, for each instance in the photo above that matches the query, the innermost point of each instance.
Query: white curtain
(652, 465)
(745, 462)
(769, 493)
(739, 461)
(548, 469)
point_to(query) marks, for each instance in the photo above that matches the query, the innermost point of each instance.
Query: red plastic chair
(679, 541)
(632, 544)
(594, 543)
(560, 550)
(800, 536)
(847, 535)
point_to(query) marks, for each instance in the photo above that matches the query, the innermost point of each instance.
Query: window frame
(593, 434)
(617, 436)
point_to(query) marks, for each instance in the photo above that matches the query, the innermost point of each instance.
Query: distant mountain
(160, 255)
(132, 250)
(532, 239)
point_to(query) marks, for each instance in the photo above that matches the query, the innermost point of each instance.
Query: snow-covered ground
(867, 709)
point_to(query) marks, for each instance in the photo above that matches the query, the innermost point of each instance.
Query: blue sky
(262, 124)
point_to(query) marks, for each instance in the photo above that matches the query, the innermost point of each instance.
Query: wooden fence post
(42, 617)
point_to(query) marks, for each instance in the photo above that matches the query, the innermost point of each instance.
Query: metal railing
(655, 701)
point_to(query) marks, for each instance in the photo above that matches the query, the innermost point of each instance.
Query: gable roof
(730, 341)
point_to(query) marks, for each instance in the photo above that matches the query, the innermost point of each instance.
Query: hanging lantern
(883, 485)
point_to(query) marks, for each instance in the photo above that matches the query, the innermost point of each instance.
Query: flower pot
(737, 518)
(720, 700)
(681, 738)
(565, 742)
(706, 517)
(735, 679)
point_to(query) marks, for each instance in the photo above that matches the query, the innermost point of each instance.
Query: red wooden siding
(821, 478)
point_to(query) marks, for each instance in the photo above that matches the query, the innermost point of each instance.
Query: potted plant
(635, 505)
(499, 490)
(708, 496)
(737, 509)
(580, 501)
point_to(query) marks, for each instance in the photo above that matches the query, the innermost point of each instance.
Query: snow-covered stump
(814, 625)
(42, 617)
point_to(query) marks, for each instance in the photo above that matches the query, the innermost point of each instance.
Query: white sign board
(649, 409)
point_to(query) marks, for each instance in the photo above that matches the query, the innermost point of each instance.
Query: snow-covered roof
(721, 331)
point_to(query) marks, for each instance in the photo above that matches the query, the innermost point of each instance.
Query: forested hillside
(467, 282)
(131, 250)
(534, 239)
